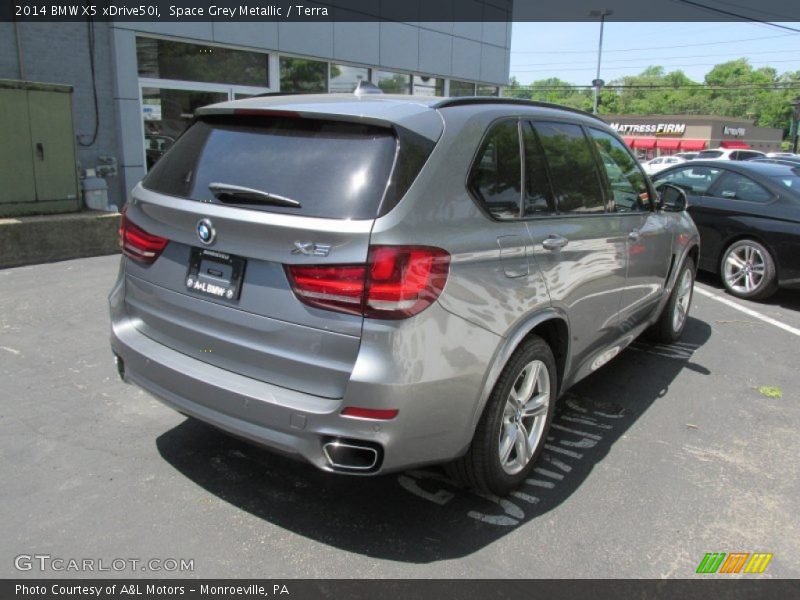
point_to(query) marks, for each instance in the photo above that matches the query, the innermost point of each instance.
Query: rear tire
(748, 271)
(513, 428)
(672, 321)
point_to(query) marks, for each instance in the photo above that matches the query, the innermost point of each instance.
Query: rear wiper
(226, 192)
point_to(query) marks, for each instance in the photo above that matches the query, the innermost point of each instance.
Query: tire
(482, 466)
(672, 320)
(748, 271)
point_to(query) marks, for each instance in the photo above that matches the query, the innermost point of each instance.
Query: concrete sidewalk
(50, 238)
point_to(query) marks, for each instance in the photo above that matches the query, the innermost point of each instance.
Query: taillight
(136, 243)
(397, 282)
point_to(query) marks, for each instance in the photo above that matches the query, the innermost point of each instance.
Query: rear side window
(333, 169)
(628, 185)
(496, 178)
(572, 167)
(738, 187)
(709, 154)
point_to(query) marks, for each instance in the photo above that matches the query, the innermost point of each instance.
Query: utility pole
(598, 83)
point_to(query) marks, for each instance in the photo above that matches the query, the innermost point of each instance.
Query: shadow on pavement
(420, 516)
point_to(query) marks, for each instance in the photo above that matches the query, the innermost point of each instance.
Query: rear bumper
(432, 373)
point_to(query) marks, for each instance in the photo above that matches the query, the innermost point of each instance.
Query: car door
(579, 248)
(648, 239)
(697, 180)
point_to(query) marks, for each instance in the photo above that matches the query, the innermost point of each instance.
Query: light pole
(795, 123)
(598, 83)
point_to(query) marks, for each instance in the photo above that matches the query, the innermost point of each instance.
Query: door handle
(634, 235)
(554, 242)
(40, 150)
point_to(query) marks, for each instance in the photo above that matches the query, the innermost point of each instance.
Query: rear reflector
(370, 413)
(397, 282)
(137, 244)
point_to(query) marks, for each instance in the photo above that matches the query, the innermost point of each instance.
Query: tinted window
(572, 167)
(790, 181)
(538, 193)
(695, 180)
(495, 179)
(710, 154)
(628, 184)
(334, 169)
(739, 187)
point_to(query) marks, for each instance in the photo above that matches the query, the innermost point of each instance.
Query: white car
(728, 154)
(653, 166)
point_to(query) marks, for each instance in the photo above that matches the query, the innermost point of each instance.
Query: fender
(506, 348)
(693, 243)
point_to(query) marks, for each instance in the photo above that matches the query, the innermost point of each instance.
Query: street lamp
(795, 123)
(598, 83)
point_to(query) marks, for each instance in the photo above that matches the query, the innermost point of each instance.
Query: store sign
(734, 131)
(649, 128)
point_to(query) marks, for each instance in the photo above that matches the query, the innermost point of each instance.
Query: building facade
(659, 135)
(136, 85)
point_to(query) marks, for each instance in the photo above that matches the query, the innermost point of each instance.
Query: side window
(538, 198)
(695, 180)
(496, 179)
(735, 155)
(738, 187)
(572, 167)
(628, 183)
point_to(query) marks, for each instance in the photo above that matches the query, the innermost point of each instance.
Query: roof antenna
(365, 87)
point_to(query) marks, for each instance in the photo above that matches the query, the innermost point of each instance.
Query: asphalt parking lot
(667, 453)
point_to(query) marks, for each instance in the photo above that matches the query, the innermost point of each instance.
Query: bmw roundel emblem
(205, 231)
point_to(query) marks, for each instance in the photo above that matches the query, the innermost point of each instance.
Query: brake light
(396, 283)
(137, 244)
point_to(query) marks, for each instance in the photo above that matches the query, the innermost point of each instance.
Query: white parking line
(748, 311)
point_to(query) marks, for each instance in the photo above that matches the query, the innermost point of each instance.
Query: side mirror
(672, 198)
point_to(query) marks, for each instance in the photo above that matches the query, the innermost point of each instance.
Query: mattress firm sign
(649, 128)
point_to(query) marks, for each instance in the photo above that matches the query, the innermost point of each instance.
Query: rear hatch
(240, 197)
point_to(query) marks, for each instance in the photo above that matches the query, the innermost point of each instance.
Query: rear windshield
(333, 169)
(790, 181)
(709, 154)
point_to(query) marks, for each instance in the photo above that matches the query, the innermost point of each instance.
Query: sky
(569, 50)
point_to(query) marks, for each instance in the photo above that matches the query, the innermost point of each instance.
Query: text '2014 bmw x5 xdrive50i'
(378, 282)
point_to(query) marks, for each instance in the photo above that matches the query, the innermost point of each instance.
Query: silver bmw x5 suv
(377, 282)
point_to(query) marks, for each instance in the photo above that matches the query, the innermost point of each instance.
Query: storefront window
(428, 86)
(461, 88)
(302, 75)
(165, 59)
(345, 79)
(487, 90)
(393, 83)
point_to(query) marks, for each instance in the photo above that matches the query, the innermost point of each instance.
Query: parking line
(748, 311)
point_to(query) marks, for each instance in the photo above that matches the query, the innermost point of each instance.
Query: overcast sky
(569, 50)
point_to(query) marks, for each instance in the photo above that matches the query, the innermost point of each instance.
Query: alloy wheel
(744, 269)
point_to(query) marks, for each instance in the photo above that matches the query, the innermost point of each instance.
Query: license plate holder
(215, 274)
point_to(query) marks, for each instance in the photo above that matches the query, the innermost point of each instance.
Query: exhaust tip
(352, 456)
(120, 366)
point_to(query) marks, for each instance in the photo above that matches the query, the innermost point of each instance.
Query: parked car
(686, 155)
(748, 215)
(782, 155)
(653, 166)
(728, 154)
(380, 282)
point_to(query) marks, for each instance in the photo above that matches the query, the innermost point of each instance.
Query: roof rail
(467, 100)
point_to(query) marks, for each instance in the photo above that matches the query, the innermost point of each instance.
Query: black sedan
(748, 215)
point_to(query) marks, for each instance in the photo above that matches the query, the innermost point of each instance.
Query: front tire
(748, 271)
(513, 428)
(672, 321)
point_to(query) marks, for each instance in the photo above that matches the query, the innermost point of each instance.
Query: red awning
(668, 143)
(693, 145)
(734, 144)
(628, 140)
(644, 142)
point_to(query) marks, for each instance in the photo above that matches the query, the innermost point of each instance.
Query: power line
(620, 60)
(735, 15)
(739, 41)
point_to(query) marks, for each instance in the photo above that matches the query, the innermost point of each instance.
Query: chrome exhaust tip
(352, 456)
